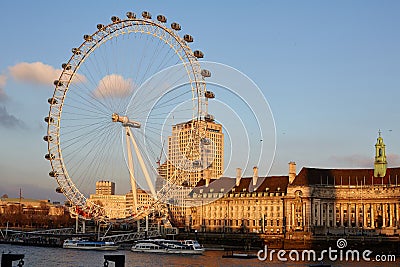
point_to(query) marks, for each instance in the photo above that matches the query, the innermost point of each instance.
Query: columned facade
(344, 209)
(359, 202)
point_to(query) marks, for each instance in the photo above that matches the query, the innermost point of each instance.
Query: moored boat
(168, 246)
(89, 245)
(231, 254)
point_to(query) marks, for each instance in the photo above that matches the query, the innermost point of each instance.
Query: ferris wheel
(113, 109)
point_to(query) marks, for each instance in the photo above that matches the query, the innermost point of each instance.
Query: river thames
(43, 256)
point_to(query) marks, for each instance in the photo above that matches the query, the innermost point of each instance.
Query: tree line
(18, 216)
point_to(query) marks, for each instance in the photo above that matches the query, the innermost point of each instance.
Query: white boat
(168, 246)
(89, 245)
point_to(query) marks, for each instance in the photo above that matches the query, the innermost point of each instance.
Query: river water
(59, 257)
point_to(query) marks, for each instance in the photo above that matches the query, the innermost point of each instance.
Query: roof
(316, 176)
(273, 183)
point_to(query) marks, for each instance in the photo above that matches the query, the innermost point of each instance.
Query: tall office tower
(195, 152)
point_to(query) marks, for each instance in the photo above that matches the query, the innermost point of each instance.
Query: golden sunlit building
(346, 201)
(313, 202)
(105, 188)
(244, 204)
(114, 205)
(144, 200)
(197, 154)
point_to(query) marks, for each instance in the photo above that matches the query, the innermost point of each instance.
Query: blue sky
(329, 70)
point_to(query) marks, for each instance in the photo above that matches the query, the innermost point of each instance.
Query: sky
(328, 69)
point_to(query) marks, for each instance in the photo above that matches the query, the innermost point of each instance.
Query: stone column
(396, 206)
(384, 210)
(348, 215)
(364, 215)
(293, 217)
(312, 213)
(391, 214)
(321, 213)
(357, 213)
(341, 215)
(334, 214)
(327, 214)
(372, 216)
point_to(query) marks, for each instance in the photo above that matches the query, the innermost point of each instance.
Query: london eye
(113, 109)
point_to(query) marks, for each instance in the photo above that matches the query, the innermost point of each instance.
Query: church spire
(380, 163)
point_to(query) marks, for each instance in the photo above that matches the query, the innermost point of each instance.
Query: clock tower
(380, 163)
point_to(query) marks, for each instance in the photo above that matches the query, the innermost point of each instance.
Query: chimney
(238, 176)
(255, 175)
(292, 171)
(207, 173)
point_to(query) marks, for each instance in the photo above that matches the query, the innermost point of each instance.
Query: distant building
(105, 188)
(114, 205)
(31, 206)
(144, 199)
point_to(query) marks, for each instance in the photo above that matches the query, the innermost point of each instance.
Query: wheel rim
(80, 134)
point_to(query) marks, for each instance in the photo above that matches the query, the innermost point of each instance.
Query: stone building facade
(313, 202)
(241, 204)
(345, 201)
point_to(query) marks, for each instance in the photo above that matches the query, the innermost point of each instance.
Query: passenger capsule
(49, 156)
(115, 19)
(205, 73)
(210, 94)
(52, 101)
(130, 15)
(209, 117)
(88, 38)
(188, 38)
(66, 66)
(48, 138)
(53, 174)
(206, 141)
(146, 15)
(59, 190)
(198, 54)
(100, 27)
(49, 119)
(197, 163)
(161, 18)
(58, 83)
(175, 26)
(76, 51)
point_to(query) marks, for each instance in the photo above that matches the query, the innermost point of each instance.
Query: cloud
(113, 86)
(3, 96)
(356, 161)
(39, 73)
(361, 161)
(393, 159)
(36, 72)
(9, 121)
